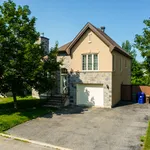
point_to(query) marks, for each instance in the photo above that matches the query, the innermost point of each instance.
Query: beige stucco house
(94, 68)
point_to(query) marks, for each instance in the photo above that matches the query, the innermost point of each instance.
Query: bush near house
(29, 108)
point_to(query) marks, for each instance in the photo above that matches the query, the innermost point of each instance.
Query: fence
(128, 92)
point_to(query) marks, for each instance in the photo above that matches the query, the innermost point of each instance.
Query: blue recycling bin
(141, 97)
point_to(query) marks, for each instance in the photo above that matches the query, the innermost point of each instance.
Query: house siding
(74, 63)
(66, 61)
(83, 46)
(120, 77)
(111, 80)
(103, 78)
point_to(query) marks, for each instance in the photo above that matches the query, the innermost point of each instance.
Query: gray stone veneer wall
(66, 61)
(66, 64)
(104, 78)
(45, 42)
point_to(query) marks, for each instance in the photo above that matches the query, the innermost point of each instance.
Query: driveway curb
(33, 142)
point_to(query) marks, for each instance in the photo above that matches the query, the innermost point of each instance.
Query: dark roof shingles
(64, 47)
(112, 41)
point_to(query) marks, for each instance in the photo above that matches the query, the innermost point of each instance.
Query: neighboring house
(94, 68)
(45, 42)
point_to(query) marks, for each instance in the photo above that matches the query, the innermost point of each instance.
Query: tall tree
(127, 46)
(45, 80)
(142, 42)
(21, 59)
(137, 73)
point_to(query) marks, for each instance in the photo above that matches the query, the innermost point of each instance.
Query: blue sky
(61, 20)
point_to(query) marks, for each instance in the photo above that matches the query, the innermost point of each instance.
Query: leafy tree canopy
(137, 74)
(21, 59)
(127, 46)
(142, 43)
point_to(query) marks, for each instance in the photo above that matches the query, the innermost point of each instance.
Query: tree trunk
(15, 100)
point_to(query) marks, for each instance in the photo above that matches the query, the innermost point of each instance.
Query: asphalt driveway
(119, 128)
(11, 144)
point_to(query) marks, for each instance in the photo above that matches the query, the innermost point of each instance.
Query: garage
(90, 95)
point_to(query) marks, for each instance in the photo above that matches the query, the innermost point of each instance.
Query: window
(64, 71)
(83, 62)
(90, 62)
(120, 64)
(113, 62)
(125, 63)
(95, 62)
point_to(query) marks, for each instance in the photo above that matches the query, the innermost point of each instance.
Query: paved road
(10, 144)
(119, 128)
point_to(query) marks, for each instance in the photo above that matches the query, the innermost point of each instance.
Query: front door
(63, 84)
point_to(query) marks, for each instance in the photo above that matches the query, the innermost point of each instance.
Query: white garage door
(90, 95)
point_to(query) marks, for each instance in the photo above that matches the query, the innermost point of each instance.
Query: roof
(64, 47)
(44, 37)
(102, 35)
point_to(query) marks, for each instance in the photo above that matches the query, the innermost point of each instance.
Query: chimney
(102, 28)
(45, 42)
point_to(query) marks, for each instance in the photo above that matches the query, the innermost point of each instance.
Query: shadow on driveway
(68, 110)
(124, 103)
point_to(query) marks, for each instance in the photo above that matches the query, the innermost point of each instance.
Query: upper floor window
(90, 62)
(84, 62)
(95, 65)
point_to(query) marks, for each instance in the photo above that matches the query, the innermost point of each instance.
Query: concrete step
(55, 101)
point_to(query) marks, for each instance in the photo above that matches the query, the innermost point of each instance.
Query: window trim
(92, 61)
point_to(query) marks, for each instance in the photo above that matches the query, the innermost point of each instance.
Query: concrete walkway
(10, 144)
(119, 128)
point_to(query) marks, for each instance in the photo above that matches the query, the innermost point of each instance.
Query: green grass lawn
(146, 139)
(28, 108)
